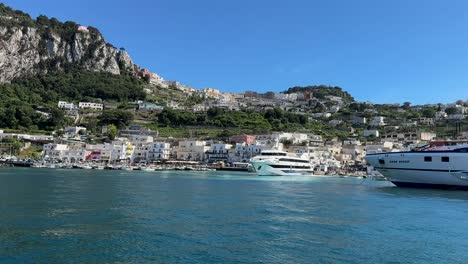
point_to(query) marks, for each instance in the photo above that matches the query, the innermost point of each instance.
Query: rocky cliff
(30, 46)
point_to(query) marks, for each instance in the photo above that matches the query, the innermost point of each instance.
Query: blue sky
(379, 51)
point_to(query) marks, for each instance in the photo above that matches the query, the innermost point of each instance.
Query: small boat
(127, 168)
(147, 169)
(38, 165)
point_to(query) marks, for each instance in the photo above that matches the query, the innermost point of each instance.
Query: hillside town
(140, 145)
(370, 129)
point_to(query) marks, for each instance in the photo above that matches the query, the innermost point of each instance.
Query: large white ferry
(445, 168)
(280, 163)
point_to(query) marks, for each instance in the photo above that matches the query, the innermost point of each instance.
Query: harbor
(246, 132)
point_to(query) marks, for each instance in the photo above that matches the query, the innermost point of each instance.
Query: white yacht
(280, 163)
(444, 168)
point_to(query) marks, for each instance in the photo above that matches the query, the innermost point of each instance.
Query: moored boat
(443, 168)
(280, 163)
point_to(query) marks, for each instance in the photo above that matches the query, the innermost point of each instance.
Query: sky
(379, 51)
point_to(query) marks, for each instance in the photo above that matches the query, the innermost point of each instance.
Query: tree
(59, 133)
(57, 118)
(286, 142)
(428, 112)
(451, 110)
(112, 131)
(147, 78)
(119, 118)
(15, 144)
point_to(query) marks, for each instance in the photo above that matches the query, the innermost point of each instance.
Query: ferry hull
(410, 169)
(425, 178)
(430, 186)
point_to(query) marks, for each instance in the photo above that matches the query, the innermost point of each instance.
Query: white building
(426, 121)
(191, 150)
(334, 108)
(370, 133)
(385, 146)
(243, 152)
(139, 139)
(159, 151)
(66, 105)
(140, 152)
(54, 151)
(274, 138)
(74, 131)
(321, 115)
(357, 120)
(409, 124)
(199, 108)
(409, 137)
(175, 105)
(209, 93)
(335, 122)
(353, 148)
(63, 153)
(88, 105)
(334, 98)
(378, 121)
(27, 137)
(218, 152)
(119, 150)
(315, 140)
(440, 115)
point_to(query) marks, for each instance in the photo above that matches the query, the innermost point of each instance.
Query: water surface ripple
(87, 216)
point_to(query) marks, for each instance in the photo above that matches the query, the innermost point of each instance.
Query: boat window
(272, 154)
(290, 167)
(381, 161)
(427, 159)
(445, 159)
(295, 160)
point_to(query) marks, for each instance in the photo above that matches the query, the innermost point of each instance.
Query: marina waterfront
(92, 216)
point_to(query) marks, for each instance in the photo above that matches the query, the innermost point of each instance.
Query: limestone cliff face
(28, 50)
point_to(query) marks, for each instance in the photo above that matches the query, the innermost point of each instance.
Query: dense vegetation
(118, 118)
(15, 18)
(321, 91)
(271, 119)
(20, 100)
(10, 17)
(78, 85)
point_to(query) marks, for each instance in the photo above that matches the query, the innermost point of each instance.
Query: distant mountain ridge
(31, 46)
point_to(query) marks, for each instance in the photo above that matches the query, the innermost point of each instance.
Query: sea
(90, 216)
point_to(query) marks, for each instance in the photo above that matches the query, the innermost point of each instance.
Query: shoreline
(151, 168)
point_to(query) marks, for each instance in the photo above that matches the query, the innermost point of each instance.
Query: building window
(428, 159)
(445, 159)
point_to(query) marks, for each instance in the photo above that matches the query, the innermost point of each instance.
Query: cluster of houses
(305, 102)
(298, 102)
(81, 105)
(137, 144)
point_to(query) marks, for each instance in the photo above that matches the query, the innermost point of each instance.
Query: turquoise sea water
(87, 216)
